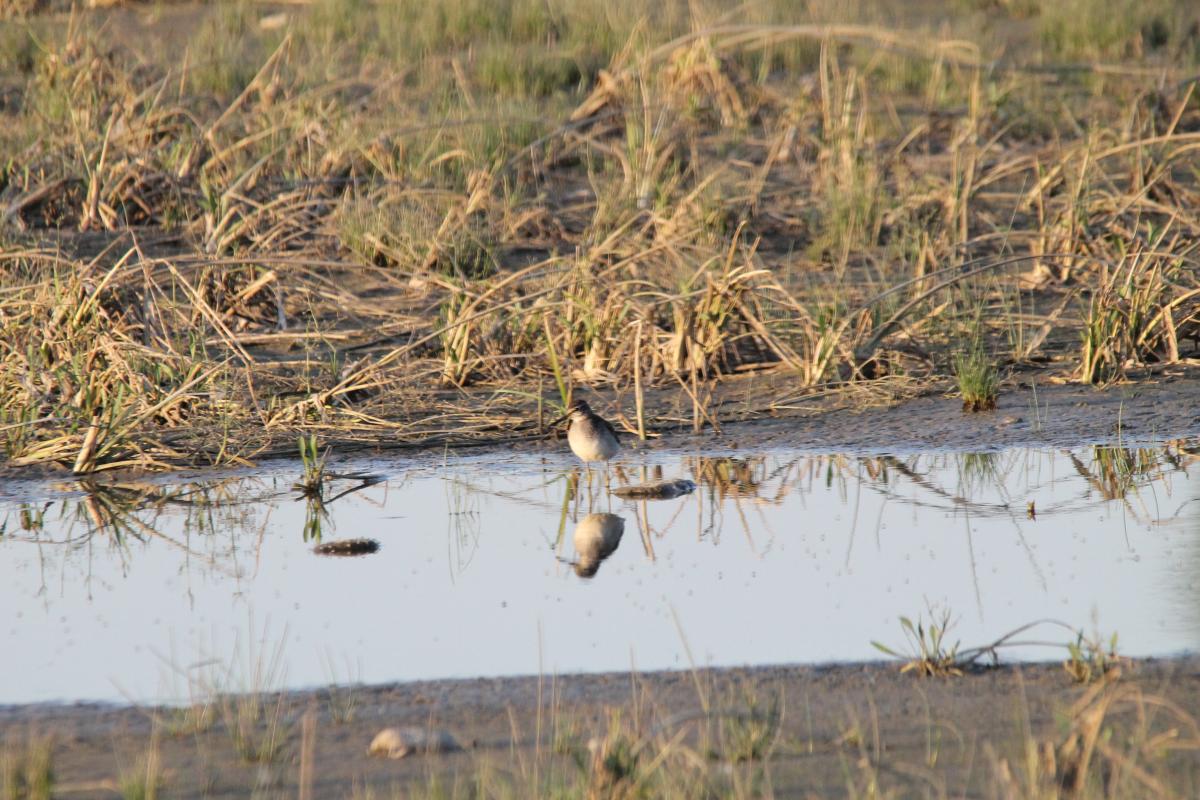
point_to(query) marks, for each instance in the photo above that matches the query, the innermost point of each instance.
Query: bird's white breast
(591, 448)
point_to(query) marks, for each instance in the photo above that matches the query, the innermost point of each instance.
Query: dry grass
(378, 225)
(1121, 741)
(144, 779)
(1115, 739)
(27, 768)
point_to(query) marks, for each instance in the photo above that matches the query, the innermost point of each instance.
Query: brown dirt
(1027, 414)
(918, 736)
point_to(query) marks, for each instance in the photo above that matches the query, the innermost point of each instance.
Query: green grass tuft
(978, 381)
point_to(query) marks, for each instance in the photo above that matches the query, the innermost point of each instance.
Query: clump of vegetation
(190, 719)
(252, 705)
(72, 358)
(311, 488)
(1090, 659)
(749, 730)
(417, 239)
(629, 758)
(614, 768)
(929, 652)
(144, 780)
(312, 461)
(977, 379)
(1121, 741)
(228, 49)
(257, 728)
(1086, 29)
(531, 71)
(342, 695)
(1137, 316)
(27, 770)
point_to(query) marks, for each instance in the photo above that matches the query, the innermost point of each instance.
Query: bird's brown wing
(608, 426)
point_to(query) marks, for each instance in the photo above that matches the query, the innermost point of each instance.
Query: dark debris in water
(657, 490)
(347, 547)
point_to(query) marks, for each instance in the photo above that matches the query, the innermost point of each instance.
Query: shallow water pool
(155, 592)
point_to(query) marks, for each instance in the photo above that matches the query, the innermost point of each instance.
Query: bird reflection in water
(596, 538)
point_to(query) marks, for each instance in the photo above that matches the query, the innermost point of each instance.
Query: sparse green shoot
(929, 652)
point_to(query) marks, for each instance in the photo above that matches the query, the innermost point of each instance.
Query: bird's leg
(621, 476)
(607, 487)
(573, 489)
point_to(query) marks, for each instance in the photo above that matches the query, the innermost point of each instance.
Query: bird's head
(576, 409)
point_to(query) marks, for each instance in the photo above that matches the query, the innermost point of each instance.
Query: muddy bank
(1030, 414)
(1157, 408)
(1027, 415)
(838, 727)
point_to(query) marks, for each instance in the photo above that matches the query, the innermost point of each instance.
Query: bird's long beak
(556, 422)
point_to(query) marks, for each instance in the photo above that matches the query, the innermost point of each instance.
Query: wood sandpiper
(589, 434)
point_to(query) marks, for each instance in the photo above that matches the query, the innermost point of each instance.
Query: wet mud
(1032, 414)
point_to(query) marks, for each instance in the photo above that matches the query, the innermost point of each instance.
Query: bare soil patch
(839, 727)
